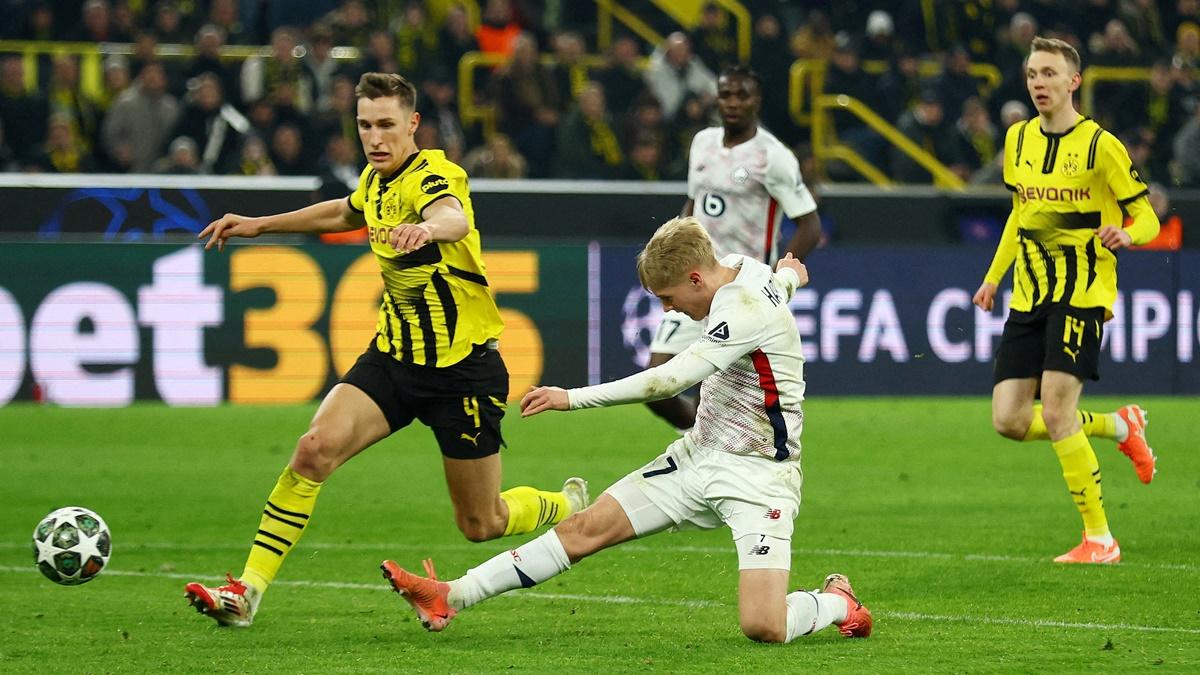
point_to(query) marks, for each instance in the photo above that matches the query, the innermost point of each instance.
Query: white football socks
(1121, 427)
(522, 567)
(809, 612)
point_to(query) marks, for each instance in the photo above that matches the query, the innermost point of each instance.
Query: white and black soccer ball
(71, 545)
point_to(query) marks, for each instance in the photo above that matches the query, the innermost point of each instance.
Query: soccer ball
(71, 545)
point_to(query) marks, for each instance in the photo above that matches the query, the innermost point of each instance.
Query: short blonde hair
(678, 246)
(1056, 46)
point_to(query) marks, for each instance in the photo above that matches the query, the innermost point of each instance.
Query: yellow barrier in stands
(1092, 75)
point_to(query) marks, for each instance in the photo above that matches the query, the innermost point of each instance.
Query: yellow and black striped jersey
(1065, 187)
(436, 301)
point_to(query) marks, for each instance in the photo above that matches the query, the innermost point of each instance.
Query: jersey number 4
(713, 204)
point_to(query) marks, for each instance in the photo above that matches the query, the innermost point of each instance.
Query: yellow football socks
(1082, 473)
(1094, 425)
(283, 521)
(530, 508)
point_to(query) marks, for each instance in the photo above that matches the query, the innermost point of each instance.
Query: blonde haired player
(738, 466)
(434, 356)
(1071, 181)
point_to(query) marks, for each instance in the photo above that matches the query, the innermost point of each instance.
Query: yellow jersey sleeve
(1123, 180)
(358, 198)
(1011, 138)
(439, 179)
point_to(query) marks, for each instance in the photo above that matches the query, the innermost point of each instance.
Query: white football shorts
(757, 497)
(675, 332)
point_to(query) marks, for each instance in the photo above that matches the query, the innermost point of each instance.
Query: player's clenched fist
(544, 398)
(985, 296)
(409, 237)
(796, 266)
(229, 225)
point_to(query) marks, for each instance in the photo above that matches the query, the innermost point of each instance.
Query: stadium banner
(894, 321)
(106, 324)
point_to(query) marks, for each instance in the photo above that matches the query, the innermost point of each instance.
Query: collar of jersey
(384, 180)
(1047, 134)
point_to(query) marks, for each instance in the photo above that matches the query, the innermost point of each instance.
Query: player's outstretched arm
(333, 215)
(540, 399)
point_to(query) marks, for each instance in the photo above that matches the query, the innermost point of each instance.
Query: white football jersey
(752, 404)
(741, 193)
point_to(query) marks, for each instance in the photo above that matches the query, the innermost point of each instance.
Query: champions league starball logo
(642, 314)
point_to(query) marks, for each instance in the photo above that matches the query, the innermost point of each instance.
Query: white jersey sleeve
(785, 184)
(653, 384)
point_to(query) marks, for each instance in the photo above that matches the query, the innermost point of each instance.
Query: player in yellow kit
(434, 356)
(1072, 182)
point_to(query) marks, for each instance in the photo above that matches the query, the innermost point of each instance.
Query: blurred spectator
(321, 66)
(63, 151)
(674, 72)
(693, 116)
(287, 151)
(181, 159)
(96, 25)
(923, 125)
(844, 75)
(169, 24)
(1187, 46)
(1014, 45)
(22, 112)
(209, 41)
(1012, 112)
(416, 41)
(1160, 106)
(455, 38)
(1145, 23)
(1177, 13)
(814, 39)
(570, 76)
(262, 118)
(350, 24)
(955, 84)
(381, 54)
(646, 115)
(527, 105)
(992, 173)
(439, 110)
(496, 158)
(224, 14)
(622, 78)
(714, 39)
(1139, 143)
(498, 31)
(254, 159)
(39, 23)
(647, 160)
(769, 57)
(215, 125)
(340, 120)
(116, 80)
(64, 95)
(879, 45)
(899, 87)
(978, 142)
(587, 145)
(135, 129)
(1187, 152)
(339, 169)
(262, 76)
(1114, 47)
(124, 21)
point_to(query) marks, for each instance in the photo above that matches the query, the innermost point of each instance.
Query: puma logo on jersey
(473, 439)
(1072, 354)
(720, 331)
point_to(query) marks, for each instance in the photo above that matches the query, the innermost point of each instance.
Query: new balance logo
(772, 514)
(759, 550)
(473, 439)
(720, 331)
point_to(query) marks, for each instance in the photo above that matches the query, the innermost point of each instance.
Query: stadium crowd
(292, 113)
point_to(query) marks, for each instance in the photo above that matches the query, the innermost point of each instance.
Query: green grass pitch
(945, 529)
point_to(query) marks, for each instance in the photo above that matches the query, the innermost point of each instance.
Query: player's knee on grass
(762, 629)
(318, 453)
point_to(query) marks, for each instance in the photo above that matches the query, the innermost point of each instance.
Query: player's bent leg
(1012, 407)
(346, 422)
(857, 621)
(762, 604)
(595, 528)
(1134, 444)
(1080, 468)
(474, 486)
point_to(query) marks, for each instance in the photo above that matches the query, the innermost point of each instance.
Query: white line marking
(627, 600)
(483, 549)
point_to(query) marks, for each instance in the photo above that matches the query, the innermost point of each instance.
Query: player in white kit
(739, 465)
(741, 182)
